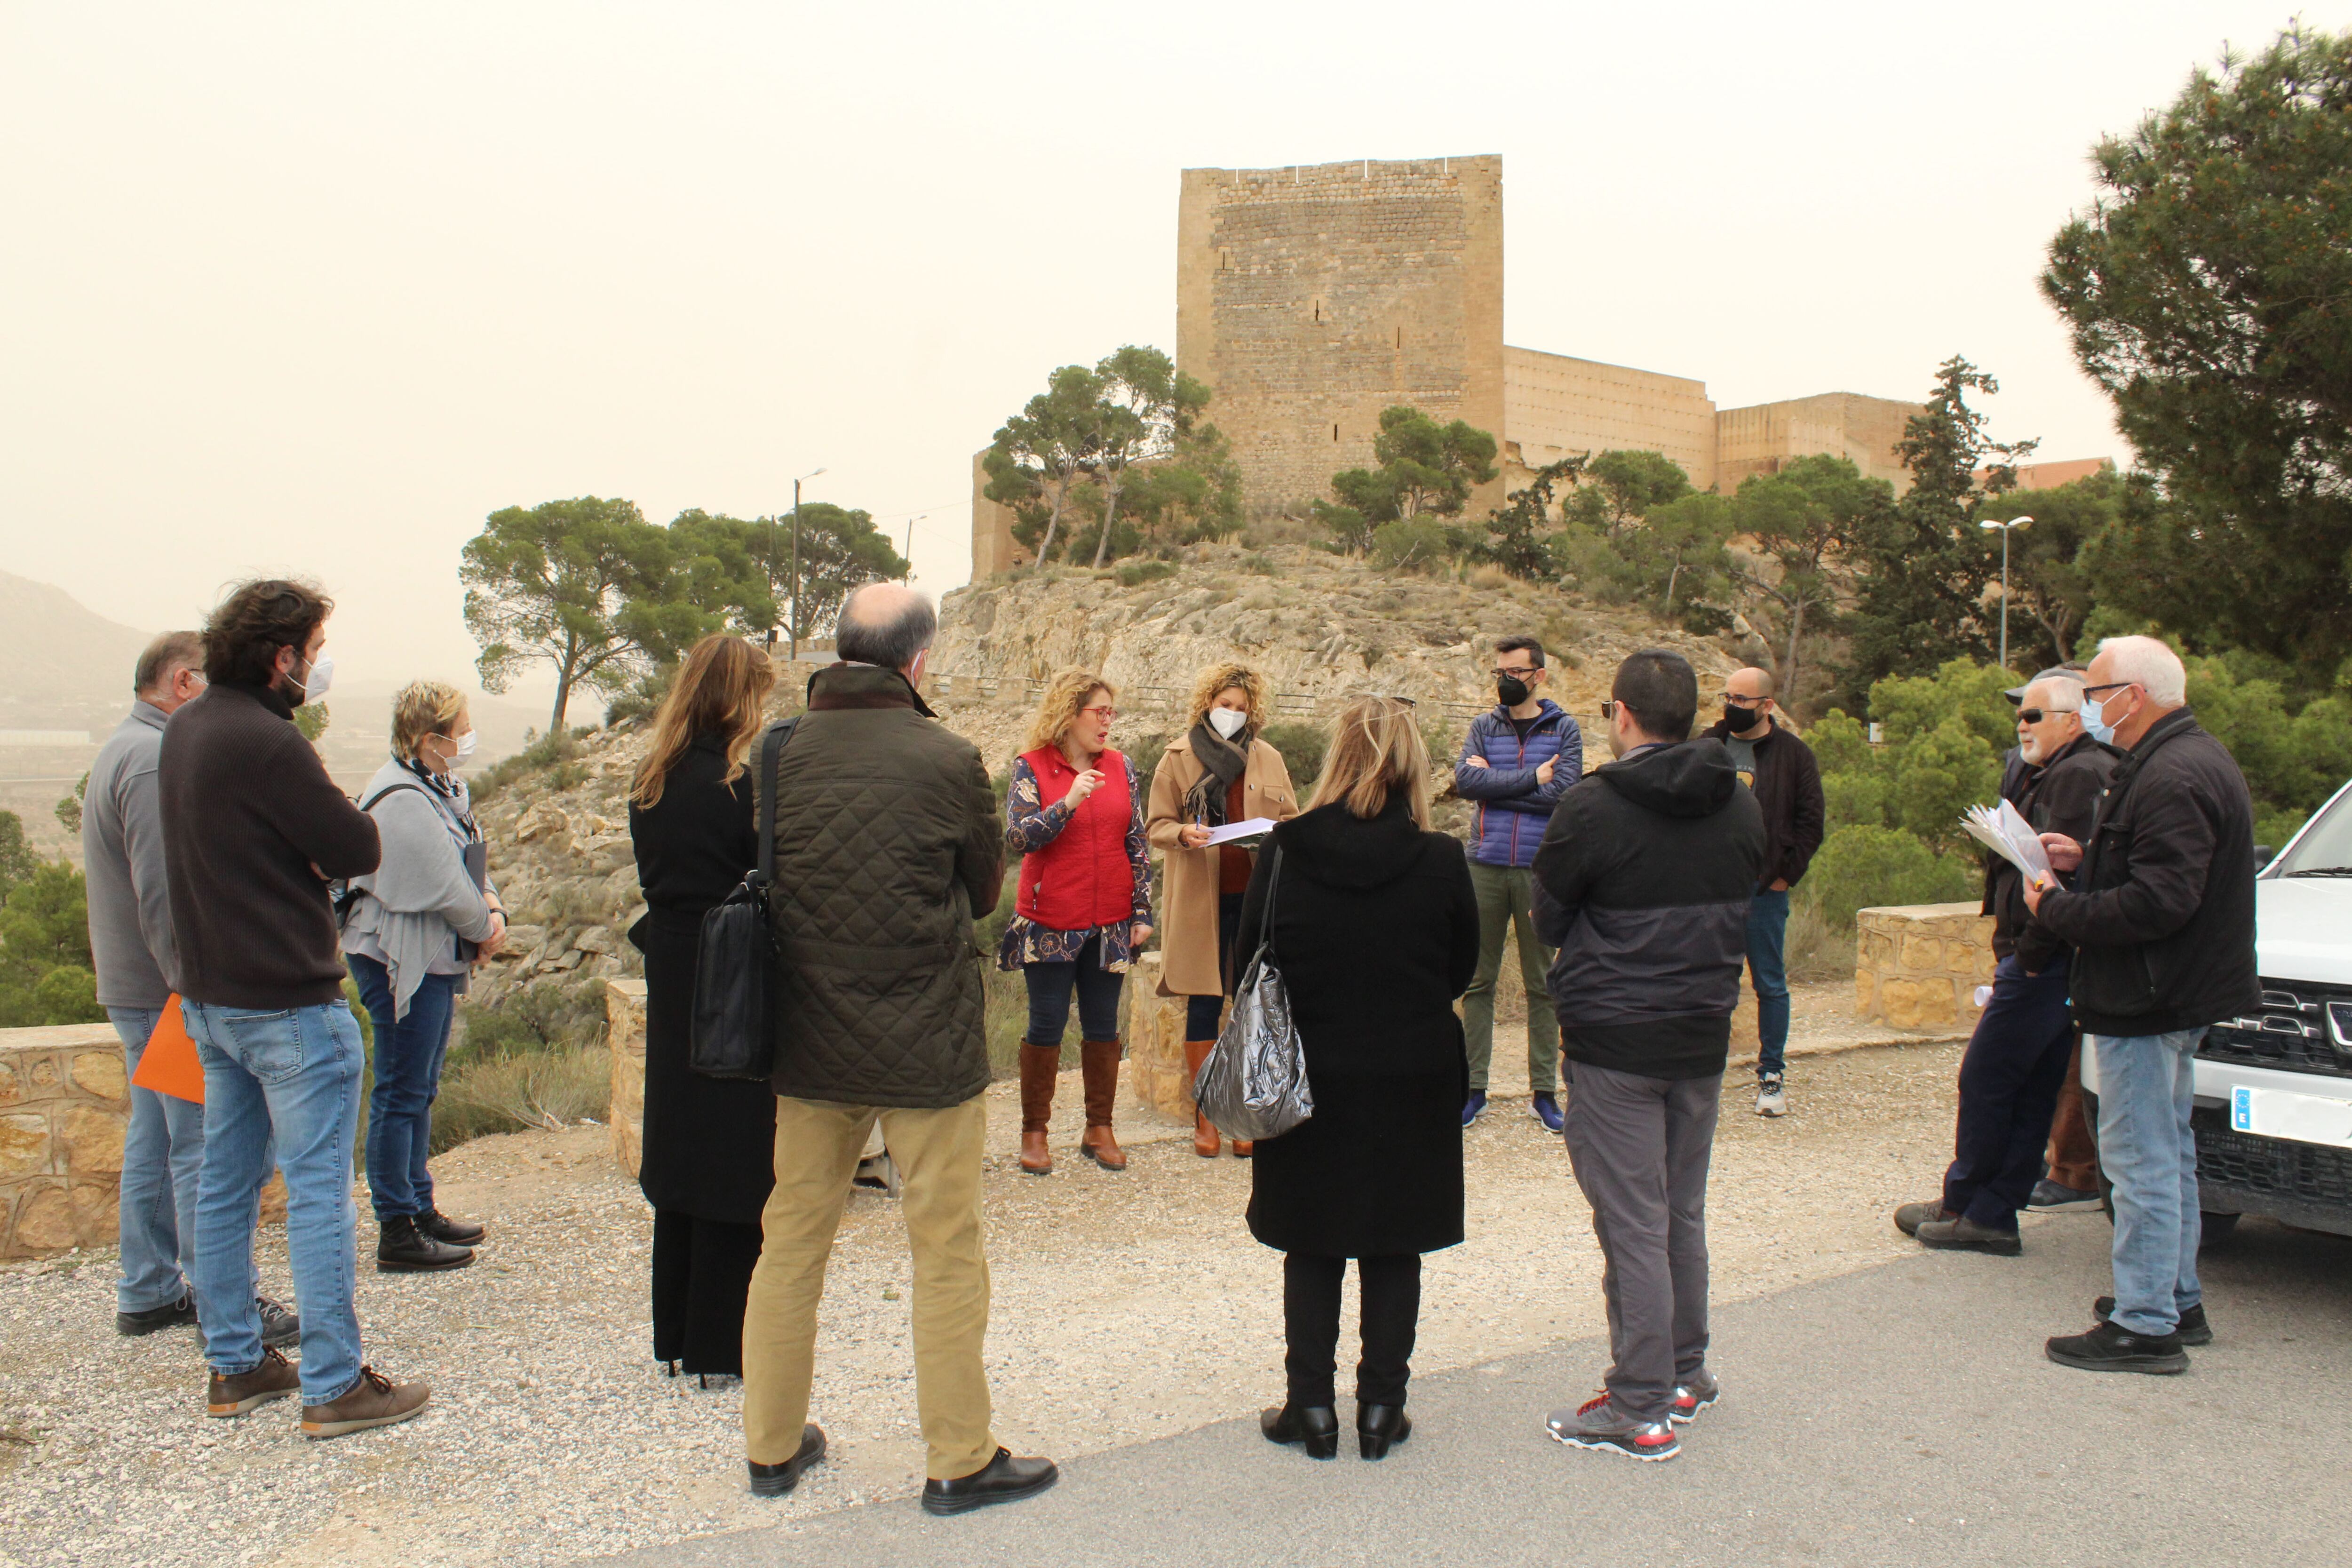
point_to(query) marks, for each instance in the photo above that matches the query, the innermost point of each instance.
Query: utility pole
(2004, 527)
(796, 562)
(909, 577)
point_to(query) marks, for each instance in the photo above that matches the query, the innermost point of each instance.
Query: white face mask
(464, 745)
(1227, 721)
(314, 685)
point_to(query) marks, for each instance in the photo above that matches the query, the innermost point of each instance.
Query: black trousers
(1390, 1292)
(2010, 1079)
(702, 1272)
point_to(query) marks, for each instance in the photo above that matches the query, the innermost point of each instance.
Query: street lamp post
(2004, 527)
(795, 625)
(910, 547)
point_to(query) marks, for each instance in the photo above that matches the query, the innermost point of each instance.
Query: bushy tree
(1796, 526)
(1522, 526)
(47, 974)
(1195, 494)
(1146, 405)
(1425, 469)
(1862, 867)
(1619, 489)
(1042, 454)
(2053, 563)
(19, 860)
(1634, 532)
(2206, 289)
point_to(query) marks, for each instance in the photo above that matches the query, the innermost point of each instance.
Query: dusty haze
(316, 288)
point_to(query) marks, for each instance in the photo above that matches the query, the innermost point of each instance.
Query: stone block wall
(624, 1018)
(1155, 1075)
(64, 1107)
(1916, 966)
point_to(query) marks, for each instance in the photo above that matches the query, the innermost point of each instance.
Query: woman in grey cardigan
(411, 932)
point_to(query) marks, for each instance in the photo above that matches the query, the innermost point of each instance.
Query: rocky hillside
(1324, 626)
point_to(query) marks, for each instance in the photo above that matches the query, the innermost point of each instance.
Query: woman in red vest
(1075, 815)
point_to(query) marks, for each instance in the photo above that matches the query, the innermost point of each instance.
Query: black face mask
(1511, 689)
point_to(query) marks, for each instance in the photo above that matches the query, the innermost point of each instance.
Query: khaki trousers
(938, 1158)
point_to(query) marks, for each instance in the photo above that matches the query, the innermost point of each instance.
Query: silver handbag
(1254, 1083)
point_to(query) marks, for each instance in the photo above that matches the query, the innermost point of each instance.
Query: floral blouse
(1030, 826)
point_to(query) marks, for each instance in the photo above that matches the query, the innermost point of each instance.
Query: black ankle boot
(454, 1232)
(1316, 1426)
(401, 1247)
(1380, 1428)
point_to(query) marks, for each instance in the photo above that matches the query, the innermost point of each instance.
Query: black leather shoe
(402, 1248)
(2193, 1328)
(1004, 1479)
(176, 1314)
(454, 1232)
(1314, 1426)
(1380, 1428)
(2107, 1348)
(775, 1480)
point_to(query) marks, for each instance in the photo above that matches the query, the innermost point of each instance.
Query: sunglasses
(1609, 706)
(2035, 715)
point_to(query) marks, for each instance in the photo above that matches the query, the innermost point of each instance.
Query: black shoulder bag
(734, 971)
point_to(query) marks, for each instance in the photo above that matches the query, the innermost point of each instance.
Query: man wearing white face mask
(413, 929)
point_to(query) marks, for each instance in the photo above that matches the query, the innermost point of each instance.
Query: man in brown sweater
(253, 829)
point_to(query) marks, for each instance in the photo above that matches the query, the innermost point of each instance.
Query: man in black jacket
(2162, 923)
(1780, 768)
(1642, 883)
(2017, 1058)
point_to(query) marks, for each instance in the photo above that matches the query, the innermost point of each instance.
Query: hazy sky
(315, 287)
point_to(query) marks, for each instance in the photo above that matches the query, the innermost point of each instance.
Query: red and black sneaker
(1694, 1395)
(1600, 1424)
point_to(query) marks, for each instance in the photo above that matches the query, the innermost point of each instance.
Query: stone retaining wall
(624, 1017)
(1917, 966)
(64, 1108)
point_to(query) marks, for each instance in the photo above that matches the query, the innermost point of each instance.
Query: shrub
(1135, 574)
(547, 1089)
(1862, 866)
(1411, 543)
(548, 750)
(1302, 746)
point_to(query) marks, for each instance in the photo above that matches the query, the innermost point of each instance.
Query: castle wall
(1311, 298)
(1554, 405)
(993, 548)
(1762, 439)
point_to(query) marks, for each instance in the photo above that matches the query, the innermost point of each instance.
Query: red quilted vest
(1083, 878)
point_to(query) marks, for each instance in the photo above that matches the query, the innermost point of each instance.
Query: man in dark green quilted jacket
(887, 844)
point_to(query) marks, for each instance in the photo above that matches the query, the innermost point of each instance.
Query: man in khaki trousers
(887, 845)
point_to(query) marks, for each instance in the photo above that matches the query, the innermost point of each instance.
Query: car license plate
(2279, 1113)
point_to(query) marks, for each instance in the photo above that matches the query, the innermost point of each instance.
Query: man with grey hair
(2025, 1040)
(132, 946)
(886, 846)
(2161, 919)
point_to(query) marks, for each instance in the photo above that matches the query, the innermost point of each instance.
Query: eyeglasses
(1522, 673)
(2110, 686)
(1732, 700)
(2035, 715)
(1107, 713)
(1609, 706)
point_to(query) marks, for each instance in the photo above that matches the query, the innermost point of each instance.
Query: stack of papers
(1256, 827)
(2011, 837)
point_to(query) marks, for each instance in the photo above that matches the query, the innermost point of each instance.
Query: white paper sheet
(1232, 830)
(2011, 837)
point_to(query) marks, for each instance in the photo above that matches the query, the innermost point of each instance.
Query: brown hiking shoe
(233, 1393)
(373, 1401)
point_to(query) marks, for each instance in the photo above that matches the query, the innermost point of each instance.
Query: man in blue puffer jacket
(1517, 762)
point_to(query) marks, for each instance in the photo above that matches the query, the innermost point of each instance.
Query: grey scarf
(1222, 761)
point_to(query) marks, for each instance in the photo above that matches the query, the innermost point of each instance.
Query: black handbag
(734, 969)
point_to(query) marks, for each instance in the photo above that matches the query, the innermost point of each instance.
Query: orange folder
(169, 1064)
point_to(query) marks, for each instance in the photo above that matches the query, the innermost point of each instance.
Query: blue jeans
(1768, 934)
(1050, 985)
(1201, 1014)
(2147, 1089)
(291, 1075)
(2010, 1077)
(162, 1154)
(408, 1055)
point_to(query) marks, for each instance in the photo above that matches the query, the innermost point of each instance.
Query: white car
(2273, 1115)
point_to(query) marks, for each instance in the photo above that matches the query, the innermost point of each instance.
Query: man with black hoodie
(1642, 883)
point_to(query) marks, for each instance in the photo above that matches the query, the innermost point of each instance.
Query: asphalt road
(1903, 1414)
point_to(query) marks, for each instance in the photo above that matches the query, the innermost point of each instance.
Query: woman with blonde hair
(1375, 928)
(413, 929)
(708, 1154)
(1074, 814)
(1220, 771)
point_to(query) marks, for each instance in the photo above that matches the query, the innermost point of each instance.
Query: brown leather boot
(1244, 1148)
(1038, 1066)
(1100, 1059)
(1205, 1136)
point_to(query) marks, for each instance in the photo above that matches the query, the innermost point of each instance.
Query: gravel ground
(1125, 1307)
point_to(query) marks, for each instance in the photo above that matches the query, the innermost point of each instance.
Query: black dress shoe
(454, 1232)
(2107, 1348)
(1316, 1426)
(2193, 1328)
(1380, 1428)
(176, 1314)
(775, 1480)
(403, 1248)
(1004, 1479)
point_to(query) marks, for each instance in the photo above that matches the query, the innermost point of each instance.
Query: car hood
(2303, 929)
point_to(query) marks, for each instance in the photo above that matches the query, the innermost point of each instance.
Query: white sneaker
(1769, 1099)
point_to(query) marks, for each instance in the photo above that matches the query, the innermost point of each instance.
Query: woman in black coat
(1376, 932)
(708, 1155)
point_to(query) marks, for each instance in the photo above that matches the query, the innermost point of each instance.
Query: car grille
(2278, 1167)
(2303, 1028)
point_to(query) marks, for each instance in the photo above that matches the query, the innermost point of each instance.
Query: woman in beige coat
(1218, 772)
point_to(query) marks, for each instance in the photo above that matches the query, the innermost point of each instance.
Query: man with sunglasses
(2025, 1040)
(1780, 768)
